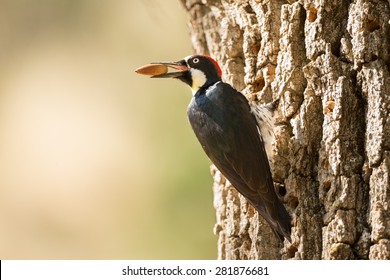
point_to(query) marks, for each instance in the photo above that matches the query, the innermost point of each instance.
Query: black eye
(195, 60)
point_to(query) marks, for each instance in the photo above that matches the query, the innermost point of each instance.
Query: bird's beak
(179, 65)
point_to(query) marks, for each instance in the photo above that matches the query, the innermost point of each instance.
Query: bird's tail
(280, 225)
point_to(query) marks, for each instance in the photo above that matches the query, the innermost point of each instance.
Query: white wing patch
(266, 123)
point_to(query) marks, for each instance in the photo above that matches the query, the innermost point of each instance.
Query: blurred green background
(97, 162)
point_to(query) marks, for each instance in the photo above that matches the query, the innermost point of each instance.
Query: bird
(235, 134)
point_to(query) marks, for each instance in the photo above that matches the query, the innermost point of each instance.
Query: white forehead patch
(198, 79)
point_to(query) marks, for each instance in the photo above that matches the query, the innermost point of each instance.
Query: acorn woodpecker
(235, 134)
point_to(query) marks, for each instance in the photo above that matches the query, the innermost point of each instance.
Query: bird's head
(197, 71)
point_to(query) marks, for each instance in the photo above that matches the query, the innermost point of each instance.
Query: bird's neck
(205, 88)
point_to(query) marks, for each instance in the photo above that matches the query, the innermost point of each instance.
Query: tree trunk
(328, 62)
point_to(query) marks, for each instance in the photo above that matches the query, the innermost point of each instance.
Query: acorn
(152, 69)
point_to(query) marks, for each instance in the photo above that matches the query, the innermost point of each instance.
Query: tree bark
(328, 62)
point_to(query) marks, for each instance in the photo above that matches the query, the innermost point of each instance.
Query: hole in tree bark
(312, 14)
(260, 83)
(248, 8)
(282, 190)
(291, 251)
(371, 25)
(293, 202)
(326, 186)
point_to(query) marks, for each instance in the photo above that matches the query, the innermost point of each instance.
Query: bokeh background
(97, 162)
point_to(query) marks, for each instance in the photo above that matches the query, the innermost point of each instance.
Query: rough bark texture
(328, 62)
